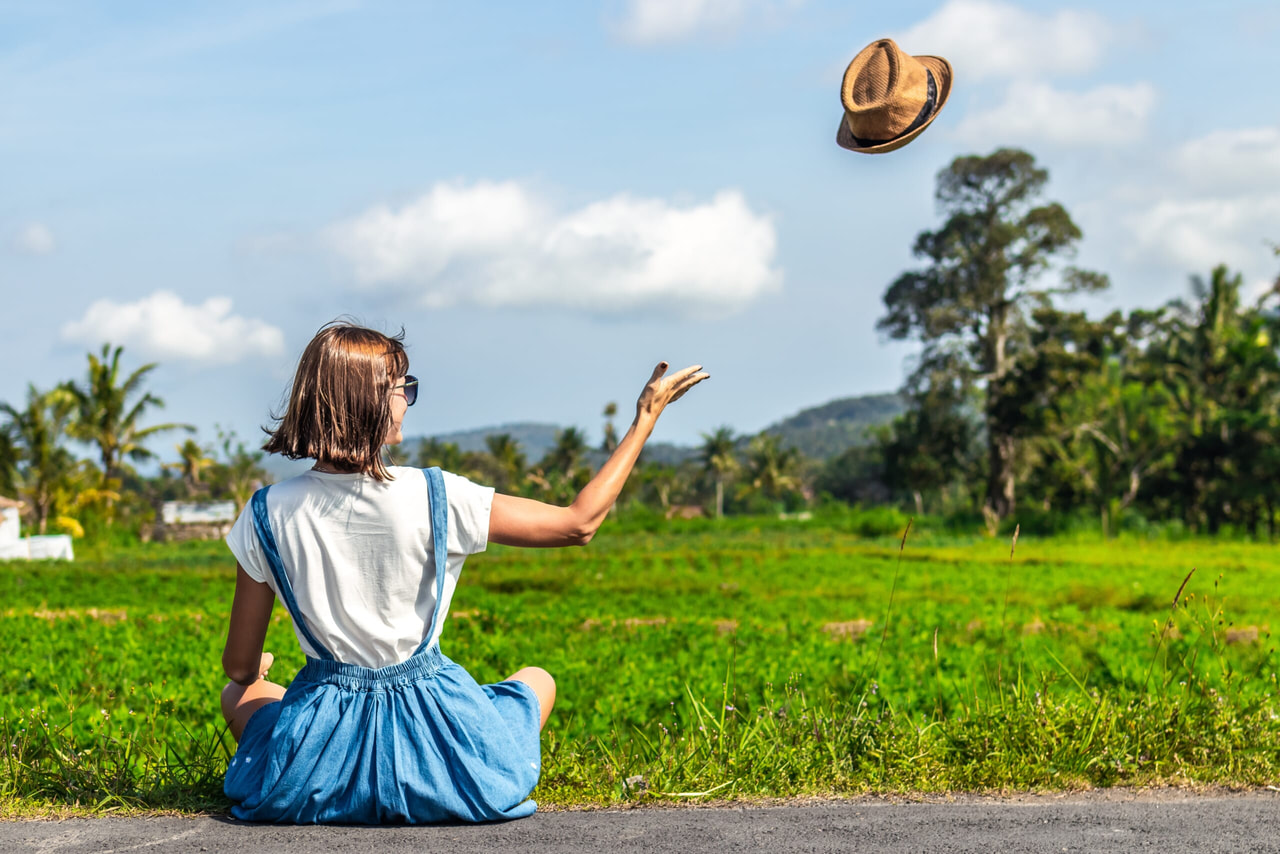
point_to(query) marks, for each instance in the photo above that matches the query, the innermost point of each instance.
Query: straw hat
(890, 97)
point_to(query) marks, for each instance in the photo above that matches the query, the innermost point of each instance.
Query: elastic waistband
(417, 667)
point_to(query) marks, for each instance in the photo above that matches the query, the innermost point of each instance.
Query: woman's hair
(340, 403)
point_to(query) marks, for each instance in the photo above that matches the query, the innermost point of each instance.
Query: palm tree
(771, 468)
(9, 456)
(108, 411)
(508, 460)
(661, 480)
(193, 461)
(43, 463)
(569, 449)
(610, 432)
(434, 452)
(239, 474)
(719, 460)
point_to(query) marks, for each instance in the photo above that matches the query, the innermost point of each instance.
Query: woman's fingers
(265, 662)
(689, 382)
(679, 376)
(662, 390)
(681, 381)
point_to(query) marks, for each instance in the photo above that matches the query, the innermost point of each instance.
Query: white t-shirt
(358, 556)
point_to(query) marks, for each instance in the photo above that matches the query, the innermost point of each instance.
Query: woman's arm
(242, 658)
(524, 522)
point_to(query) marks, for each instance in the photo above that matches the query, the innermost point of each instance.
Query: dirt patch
(851, 629)
(1243, 634)
(592, 623)
(640, 622)
(110, 616)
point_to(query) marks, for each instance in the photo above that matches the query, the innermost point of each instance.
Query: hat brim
(942, 74)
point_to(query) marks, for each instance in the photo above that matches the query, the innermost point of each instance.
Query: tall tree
(610, 440)
(110, 407)
(9, 457)
(772, 469)
(193, 461)
(928, 449)
(970, 304)
(720, 460)
(1099, 428)
(567, 454)
(44, 464)
(239, 473)
(434, 452)
(508, 459)
(1219, 360)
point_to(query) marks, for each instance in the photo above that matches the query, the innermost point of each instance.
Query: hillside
(824, 431)
(820, 432)
(536, 439)
(533, 438)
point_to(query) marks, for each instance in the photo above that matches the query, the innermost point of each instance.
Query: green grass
(743, 659)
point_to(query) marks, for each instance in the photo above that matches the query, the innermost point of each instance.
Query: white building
(191, 520)
(13, 546)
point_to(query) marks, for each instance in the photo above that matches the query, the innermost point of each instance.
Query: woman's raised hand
(661, 389)
(524, 522)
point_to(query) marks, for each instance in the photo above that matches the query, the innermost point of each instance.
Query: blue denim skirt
(415, 742)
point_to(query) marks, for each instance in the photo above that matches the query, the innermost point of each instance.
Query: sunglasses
(410, 386)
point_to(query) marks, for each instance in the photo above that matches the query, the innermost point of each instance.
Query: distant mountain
(535, 440)
(820, 432)
(828, 430)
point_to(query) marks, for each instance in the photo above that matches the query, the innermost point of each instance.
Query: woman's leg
(239, 702)
(543, 685)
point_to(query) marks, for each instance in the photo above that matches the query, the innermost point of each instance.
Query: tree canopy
(970, 305)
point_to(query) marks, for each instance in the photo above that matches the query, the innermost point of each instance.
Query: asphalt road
(1165, 822)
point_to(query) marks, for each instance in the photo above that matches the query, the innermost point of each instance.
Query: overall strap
(439, 543)
(262, 526)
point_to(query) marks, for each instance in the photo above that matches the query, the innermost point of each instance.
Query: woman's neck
(327, 467)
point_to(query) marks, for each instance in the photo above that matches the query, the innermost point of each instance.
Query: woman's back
(380, 726)
(357, 553)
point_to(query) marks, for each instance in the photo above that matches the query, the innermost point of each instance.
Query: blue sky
(550, 198)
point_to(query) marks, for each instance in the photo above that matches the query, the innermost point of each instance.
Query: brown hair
(340, 402)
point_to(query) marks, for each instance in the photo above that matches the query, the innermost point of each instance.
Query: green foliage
(40, 466)
(110, 408)
(970, 305)
(195, 461)
(434, 452)
(238, 472)
(719, 457)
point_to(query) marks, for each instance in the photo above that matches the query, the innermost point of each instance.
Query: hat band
(920, 119)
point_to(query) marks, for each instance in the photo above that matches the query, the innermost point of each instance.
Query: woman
(380, 726)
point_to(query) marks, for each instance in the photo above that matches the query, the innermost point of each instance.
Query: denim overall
(414, 742)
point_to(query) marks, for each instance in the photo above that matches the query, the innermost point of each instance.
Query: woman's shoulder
(399, 472)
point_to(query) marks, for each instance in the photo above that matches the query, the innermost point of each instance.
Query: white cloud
(1037, 112)
(163, 326)
(1213, 200)
(1194, 236)
(664, 21)
(497, 244)
(36, 239)
(985, 38)
(1244, 159)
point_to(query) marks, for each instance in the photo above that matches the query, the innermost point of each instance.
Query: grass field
(748, 658)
